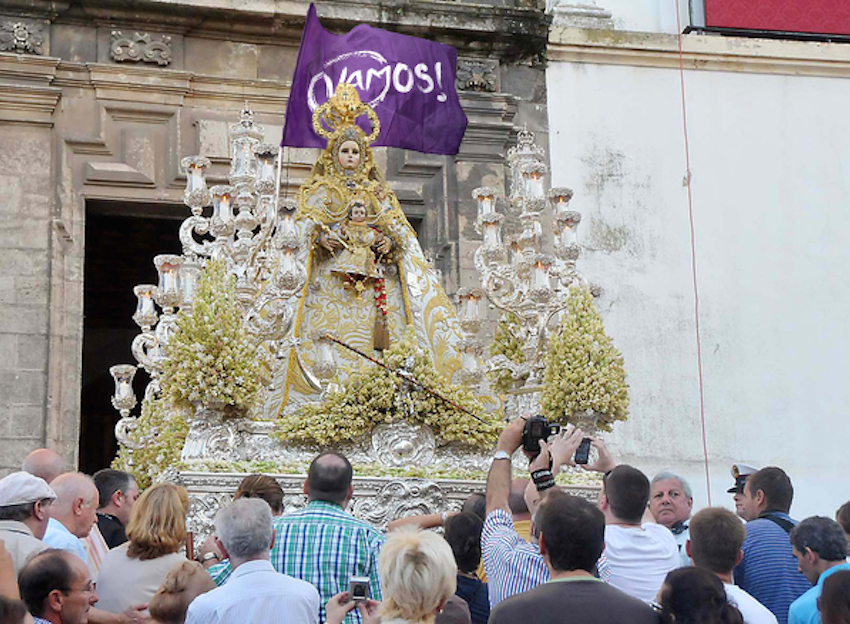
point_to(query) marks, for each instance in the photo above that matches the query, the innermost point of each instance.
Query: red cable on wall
(693, 252)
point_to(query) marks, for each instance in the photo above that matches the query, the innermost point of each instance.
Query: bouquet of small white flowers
(584, 376)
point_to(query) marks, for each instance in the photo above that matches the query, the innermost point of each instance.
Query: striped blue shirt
(325, 546)
(512, 565)
(768, 571)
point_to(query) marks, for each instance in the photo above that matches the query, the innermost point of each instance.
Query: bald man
(44, 463)
(73, 512)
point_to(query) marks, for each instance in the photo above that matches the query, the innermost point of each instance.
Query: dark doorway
(121, 241)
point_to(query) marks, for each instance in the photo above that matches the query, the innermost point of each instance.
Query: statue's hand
(330, 241)
(383, 244)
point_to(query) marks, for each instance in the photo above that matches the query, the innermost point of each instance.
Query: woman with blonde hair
(131, 573)
(418, 576)
(185, 582)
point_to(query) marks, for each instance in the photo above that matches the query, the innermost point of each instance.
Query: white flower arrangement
(212, 360)
(584, 377)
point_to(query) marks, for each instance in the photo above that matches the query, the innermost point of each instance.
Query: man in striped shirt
(768, 571)
(513, 565)
(322, 543)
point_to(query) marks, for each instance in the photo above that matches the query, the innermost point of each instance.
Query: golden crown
(341, 112)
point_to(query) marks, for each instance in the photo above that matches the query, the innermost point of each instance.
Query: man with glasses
(57, 588)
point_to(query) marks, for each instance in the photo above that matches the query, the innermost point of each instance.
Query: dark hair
(696, 596)
(329, 477)
(18, 513)
(572, 531)
(834, 601)
(716, 537)
(108, 482)
(463, 533)
(262, 486)
(776, 486)
(627, 490)
(823, 536)
(842, 516)
(47, 571)
(476, 503)
(12, 611)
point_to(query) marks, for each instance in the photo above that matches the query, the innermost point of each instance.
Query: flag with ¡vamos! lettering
(410, 82)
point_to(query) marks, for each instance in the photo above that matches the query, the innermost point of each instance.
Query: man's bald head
(44, 463)
(76, 502)
(329, 478)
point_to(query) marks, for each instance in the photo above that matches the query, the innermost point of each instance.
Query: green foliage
(506, 343)
(161, 433)
(584, 370)
(369, 398)
(211, 358)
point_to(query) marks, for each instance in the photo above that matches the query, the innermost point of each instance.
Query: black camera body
(537, 428)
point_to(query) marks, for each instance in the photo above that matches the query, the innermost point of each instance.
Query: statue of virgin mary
(367, 278)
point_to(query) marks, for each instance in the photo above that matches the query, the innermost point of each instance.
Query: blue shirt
(475, 594)
(256, 592)
(804, 610)
(768, 571)
(58, 536)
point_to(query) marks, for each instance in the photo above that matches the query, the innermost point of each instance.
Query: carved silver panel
(403, 444)
(378, 500)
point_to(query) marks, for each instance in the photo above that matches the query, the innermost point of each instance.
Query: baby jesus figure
(355, 246)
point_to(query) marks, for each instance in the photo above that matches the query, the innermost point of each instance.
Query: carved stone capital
(581, 15)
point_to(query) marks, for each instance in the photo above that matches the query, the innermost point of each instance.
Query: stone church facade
(101, 99)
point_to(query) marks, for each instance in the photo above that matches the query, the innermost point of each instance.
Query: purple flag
(410, 82)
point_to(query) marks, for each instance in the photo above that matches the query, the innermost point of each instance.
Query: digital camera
(358, 588)
(537, 428)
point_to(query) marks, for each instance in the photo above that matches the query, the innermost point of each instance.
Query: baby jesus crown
(341, 111)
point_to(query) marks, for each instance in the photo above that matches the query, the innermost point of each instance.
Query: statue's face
(358, 212)
(349, 155)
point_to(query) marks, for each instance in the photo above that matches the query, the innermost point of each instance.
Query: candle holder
(167, 293)
(196, 196)
(471, 309)
(123, 399)
(145, 315)
(190, 273)
(221, 223)
(266, 155)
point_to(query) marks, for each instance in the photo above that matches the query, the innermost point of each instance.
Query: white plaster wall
(642, 15)
(770, 157)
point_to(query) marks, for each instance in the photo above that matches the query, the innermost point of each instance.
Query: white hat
(20, 488)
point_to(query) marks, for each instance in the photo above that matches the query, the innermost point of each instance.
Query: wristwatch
(502, 455)
(210, 555)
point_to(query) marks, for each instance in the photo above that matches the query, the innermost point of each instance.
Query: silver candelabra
(528, 286)
(248, 228)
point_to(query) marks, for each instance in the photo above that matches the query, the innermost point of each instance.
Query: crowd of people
(77, 549)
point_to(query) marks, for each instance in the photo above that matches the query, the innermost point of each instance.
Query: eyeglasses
(88, 589)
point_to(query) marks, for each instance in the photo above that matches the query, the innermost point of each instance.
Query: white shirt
(640, 558)
(751, 609)
(58, 536)
(256, 593)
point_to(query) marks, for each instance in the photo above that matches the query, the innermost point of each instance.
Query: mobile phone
(358, 588)
(583, 452)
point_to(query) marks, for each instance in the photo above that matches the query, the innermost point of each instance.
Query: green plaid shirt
(325, 546)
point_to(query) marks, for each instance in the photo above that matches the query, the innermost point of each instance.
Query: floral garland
(212, 360)
(161, 433)
(584, 375)
(371, 396)
(505, 342)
